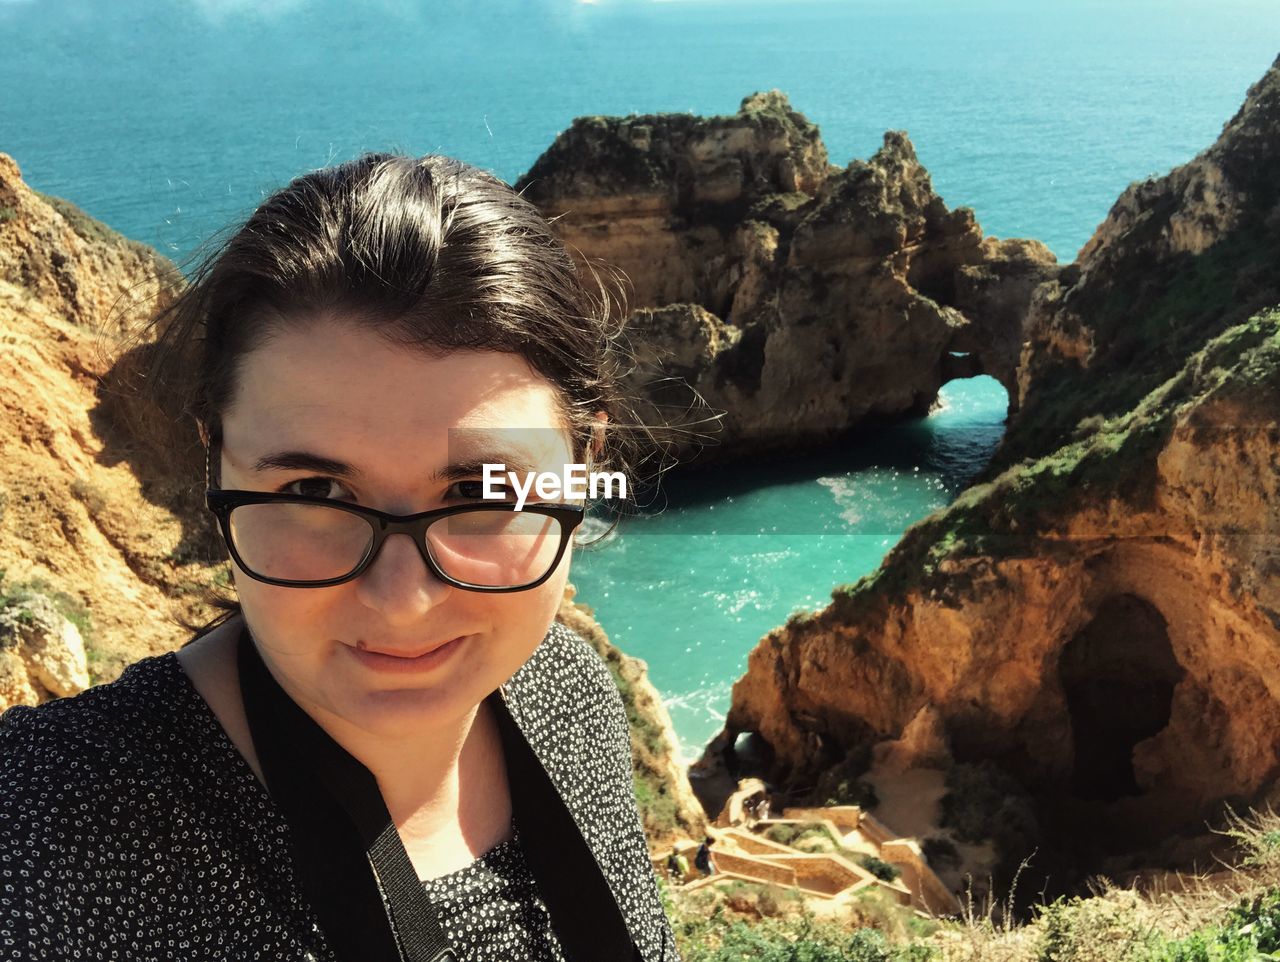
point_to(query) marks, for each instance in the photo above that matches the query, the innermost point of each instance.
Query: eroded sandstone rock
(1178, 260)
(1099, 615)
(42, 655)
(76, 515)
(799, 298)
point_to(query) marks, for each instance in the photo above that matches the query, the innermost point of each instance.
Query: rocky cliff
(1098, 618)
(76, 524)
(667, 803)
(1177, 260)
(800, 298)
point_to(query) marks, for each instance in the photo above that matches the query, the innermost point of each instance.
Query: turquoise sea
(170, 119)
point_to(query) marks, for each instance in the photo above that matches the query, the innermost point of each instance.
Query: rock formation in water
(800, 298)
(1100, 617)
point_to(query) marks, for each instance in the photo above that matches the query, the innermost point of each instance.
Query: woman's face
(383, 414)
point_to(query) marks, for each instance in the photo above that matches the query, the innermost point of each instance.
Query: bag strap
(583, 910)
(353, 866)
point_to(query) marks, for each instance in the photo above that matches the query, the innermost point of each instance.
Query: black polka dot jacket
(132, 829)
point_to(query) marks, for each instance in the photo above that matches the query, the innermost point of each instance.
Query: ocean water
(691, 589)
(171, 119)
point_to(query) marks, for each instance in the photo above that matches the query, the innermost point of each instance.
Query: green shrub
(879, 868)
(792, 833)
(842, 784)
(657, 807)
(67, 605)
(853, 791)
(1255, 924)
(800, 940)
(70, 607)
(1082, 930)
(983, 802)
(91, 495)
(774, 900)
(783, 834)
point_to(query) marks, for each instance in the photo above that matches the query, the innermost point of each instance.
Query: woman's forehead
(335, 384)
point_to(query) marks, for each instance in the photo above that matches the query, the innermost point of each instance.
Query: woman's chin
(393, 712)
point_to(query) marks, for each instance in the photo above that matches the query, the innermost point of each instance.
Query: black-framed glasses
(297, 541)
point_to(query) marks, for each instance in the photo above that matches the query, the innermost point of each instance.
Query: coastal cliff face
(1098, 616)
(800, 298)
(76, 524)
(1177, 260)
(663, 196)
(667, 803)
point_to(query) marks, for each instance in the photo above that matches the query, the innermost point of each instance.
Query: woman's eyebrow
(474, 466)
(304, 461)
(469, 467)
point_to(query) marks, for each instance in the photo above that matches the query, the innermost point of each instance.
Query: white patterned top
(491, 909)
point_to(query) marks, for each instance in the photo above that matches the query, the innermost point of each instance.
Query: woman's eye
(474, 490)
(316, 488)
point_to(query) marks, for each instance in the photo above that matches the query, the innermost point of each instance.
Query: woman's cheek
(545, 604)
(289, 622)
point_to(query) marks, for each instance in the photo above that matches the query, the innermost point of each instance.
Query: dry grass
(1117, 924)
(1231, 915)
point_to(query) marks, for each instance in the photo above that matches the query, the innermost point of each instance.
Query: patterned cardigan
(132, 828)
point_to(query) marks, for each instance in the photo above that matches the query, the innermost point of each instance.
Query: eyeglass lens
(308, 542)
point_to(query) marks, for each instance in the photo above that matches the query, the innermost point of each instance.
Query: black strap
(353, 866)
(584, 912)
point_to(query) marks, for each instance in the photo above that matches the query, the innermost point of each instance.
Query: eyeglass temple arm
(213, 442)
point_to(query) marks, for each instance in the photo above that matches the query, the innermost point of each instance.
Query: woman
(388, 748)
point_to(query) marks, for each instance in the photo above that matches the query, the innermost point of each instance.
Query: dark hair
(433, 254)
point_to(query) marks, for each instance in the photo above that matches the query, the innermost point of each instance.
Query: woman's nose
(399, 584)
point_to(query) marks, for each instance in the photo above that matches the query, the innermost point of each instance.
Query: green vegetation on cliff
(15, 595)
(1018, 512)
(1143, 338)
(652, 752)
(93, 231)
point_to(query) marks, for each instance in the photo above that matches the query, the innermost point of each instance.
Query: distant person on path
(756, 809)
(703, 860)
(677, 866)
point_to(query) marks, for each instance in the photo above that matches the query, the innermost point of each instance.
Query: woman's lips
(380, 661)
